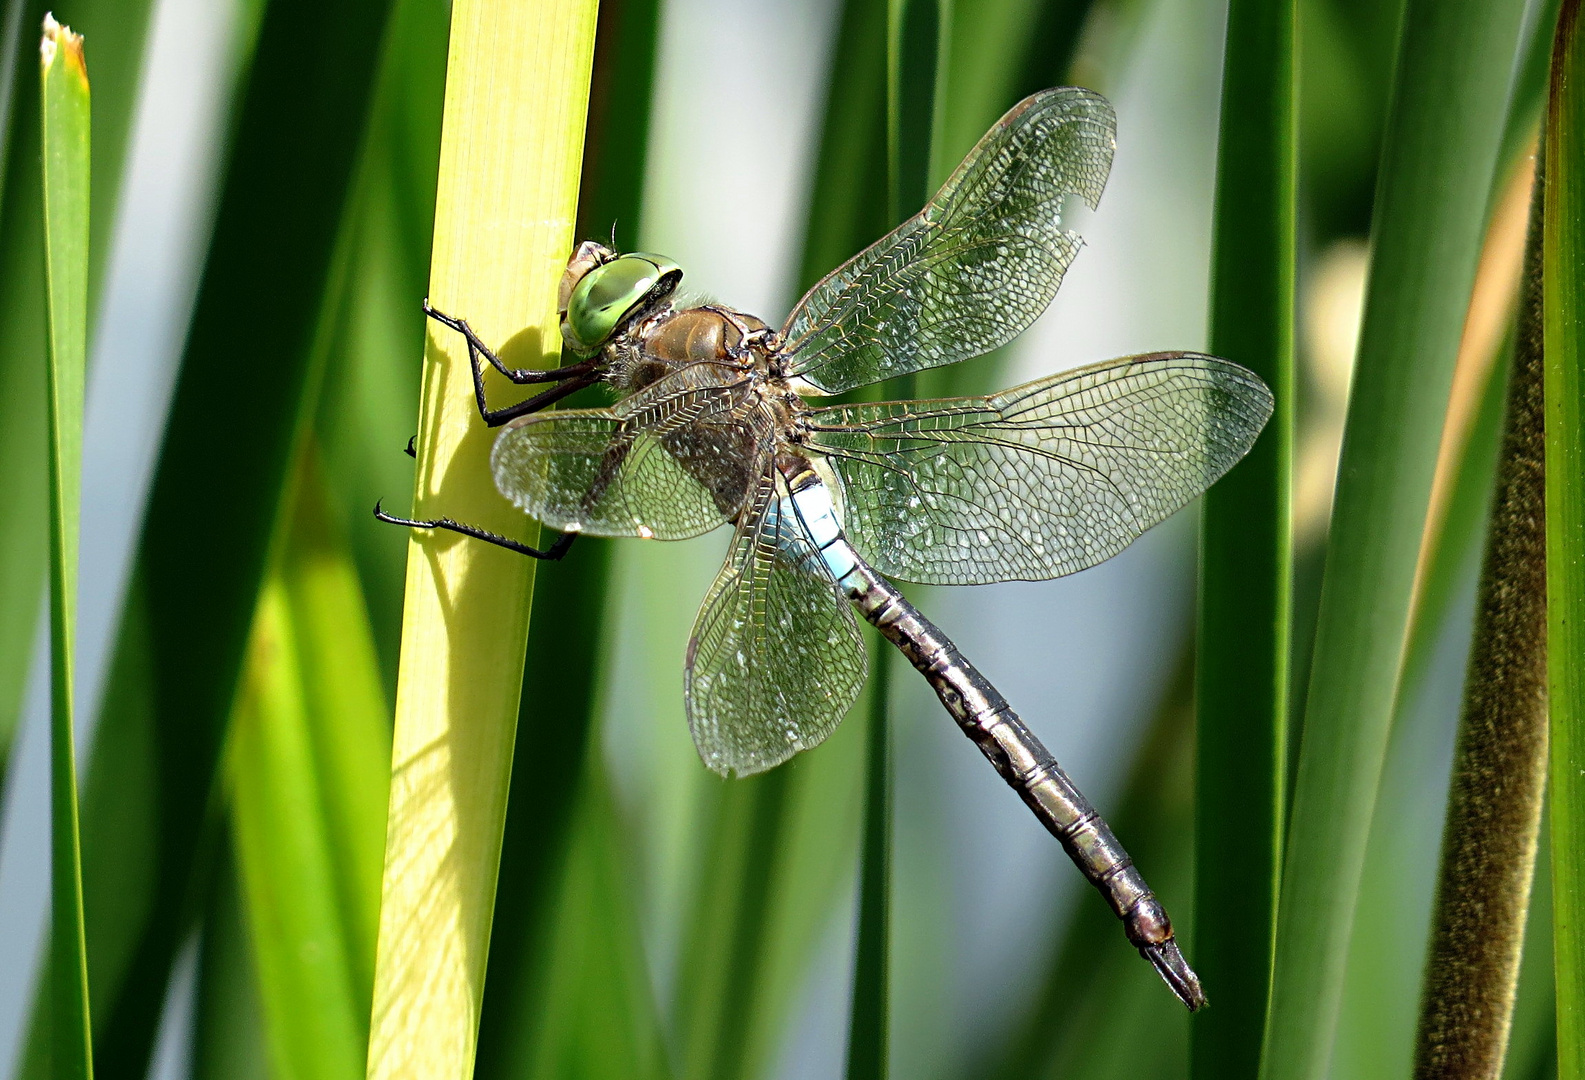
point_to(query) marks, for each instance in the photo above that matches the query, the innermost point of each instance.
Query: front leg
(572, 377)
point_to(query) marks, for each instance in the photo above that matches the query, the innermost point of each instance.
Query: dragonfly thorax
(707, 333)
(669, 339)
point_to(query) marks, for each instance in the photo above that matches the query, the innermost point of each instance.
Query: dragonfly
(716, 422)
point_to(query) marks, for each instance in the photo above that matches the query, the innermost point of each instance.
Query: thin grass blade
(517, 87)
(1246, 550)
(65, 127)
(118, 29)
(1563, 269)
(1441, 145)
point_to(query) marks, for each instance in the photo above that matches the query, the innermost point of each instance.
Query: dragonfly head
(602, 289)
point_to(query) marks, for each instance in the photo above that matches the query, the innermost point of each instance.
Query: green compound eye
(608, 294)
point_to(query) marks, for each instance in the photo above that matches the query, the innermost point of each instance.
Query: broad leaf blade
(1246, 549)
(570, 987)
(308, 751)
(516, 93)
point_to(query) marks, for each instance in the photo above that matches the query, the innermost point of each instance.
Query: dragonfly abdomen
(986, 717)
(1031, 770)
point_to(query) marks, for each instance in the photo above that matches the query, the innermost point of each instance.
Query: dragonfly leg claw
(552, 553)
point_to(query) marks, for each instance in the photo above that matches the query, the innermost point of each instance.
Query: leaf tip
(59, 38)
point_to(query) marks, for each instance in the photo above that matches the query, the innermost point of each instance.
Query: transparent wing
(775, 660)
(972, 269)
(1041, 480)
(674, 460)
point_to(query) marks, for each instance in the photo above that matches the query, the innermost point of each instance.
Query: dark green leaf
(228, 445)
(1246, 558)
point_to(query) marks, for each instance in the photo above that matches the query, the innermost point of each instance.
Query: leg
(477, 349)
(552, 553)
(572, 376)
(497, 417)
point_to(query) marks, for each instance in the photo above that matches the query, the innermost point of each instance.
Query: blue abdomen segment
(810, 504)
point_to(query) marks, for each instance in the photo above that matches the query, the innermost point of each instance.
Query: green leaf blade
(286, 862)
(570, 988)
(1564, 321)
(65, 135)
(1246, 551)
(308, 754)
(118, 29)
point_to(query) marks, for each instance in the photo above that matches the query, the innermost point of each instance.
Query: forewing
(674, 460)
(775, 660)
(972, 269)
(1041, 480)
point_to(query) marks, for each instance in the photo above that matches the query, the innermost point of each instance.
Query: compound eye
(608, 295)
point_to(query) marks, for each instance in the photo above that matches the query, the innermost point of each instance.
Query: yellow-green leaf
(517, 88)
